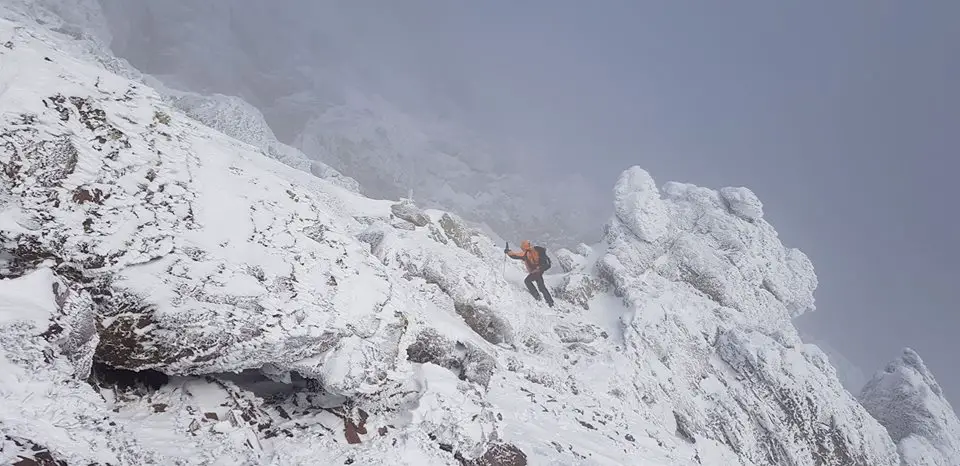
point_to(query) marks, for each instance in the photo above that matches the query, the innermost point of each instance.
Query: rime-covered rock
(638, 206)
(743, 202)
(476, 293)
(464, 359)
(154, 229)
(463, 236)
(712, 283)
(580, 288)
(584, 250)
(409, 211)
(906, 398)
(569, 260)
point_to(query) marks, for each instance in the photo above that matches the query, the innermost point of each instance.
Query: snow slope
(82, 28)
(171, 295)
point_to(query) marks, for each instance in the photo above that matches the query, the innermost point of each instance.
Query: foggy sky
(843, 117)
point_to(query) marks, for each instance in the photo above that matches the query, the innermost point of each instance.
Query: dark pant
(538, 278)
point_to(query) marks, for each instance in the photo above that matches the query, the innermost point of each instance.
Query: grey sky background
(843, 117)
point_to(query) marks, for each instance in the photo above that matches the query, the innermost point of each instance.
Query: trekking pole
(506, 245)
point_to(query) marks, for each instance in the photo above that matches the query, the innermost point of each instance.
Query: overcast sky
(844, 118)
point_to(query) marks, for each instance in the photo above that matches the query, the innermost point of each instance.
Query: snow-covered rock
(235, 117)
(408, 211)
(569, 260)
(155, 224)
(273, 317)
(743, 202)
(711, 296)
(906, 398)
(580, 288)
(638, 205)
(84, 30)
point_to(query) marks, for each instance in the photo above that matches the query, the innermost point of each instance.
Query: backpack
(544, 258)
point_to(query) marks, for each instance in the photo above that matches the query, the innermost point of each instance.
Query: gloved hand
(506, 250)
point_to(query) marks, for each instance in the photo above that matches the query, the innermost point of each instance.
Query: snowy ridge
(81, 28)
(273, 317)
(236, 118)
(906, 398)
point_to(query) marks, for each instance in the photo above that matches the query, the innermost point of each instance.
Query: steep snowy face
(908, 401)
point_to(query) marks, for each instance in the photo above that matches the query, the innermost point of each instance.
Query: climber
(537, 262)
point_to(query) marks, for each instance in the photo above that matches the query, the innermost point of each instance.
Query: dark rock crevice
(143, 381)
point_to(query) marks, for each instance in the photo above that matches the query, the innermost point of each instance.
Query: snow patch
(29, 299)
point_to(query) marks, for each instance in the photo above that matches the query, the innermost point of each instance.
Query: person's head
(525, 245)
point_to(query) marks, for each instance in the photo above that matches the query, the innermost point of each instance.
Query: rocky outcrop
(687, 252)
(149, 230)
(580, 288)
(906, 398)
(499, 455)
(743, 203)
(409, 211)
(463, 236)
(568, 260)
(474, 294)
(464, 359)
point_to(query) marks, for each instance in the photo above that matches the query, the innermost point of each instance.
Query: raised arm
(514, 254)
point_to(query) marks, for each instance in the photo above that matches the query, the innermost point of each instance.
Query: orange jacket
(529, 256)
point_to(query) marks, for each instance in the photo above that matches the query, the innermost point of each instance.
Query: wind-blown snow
(274, 317)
